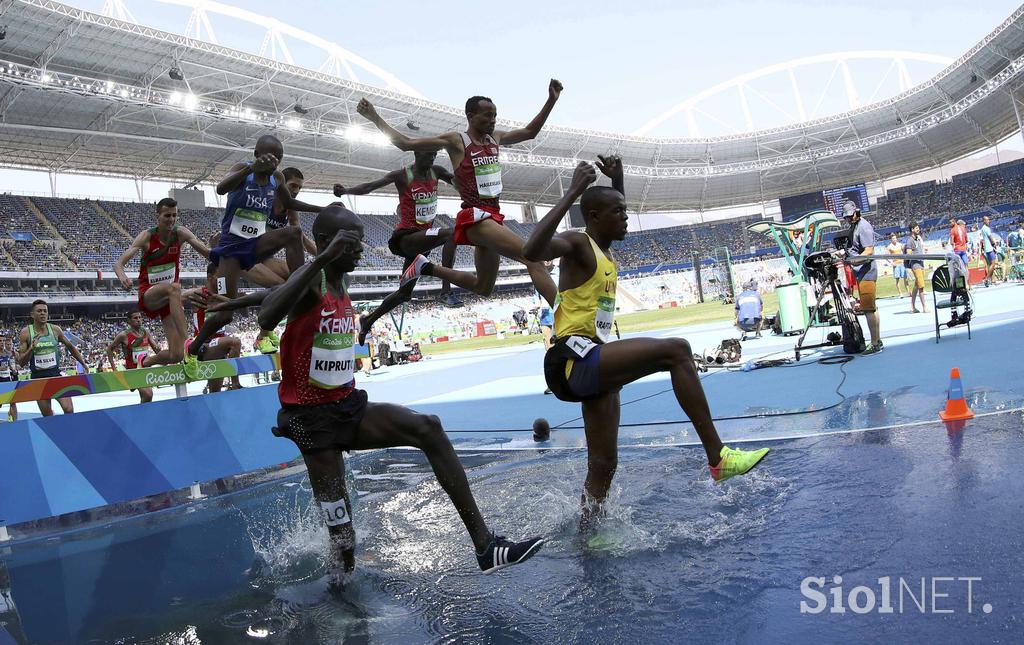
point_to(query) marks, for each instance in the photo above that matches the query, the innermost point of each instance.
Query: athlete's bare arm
(155, 346)
(115, 344)
(253, 299)
(450, 141)
(370, 186)
(24, 351)
(241, 170)
(140, 243)
(543, 243)
(444, 174)
(63, 340)
(532, 128)
(297, 294)
(611, 167)
(287, 201)
(190, 238)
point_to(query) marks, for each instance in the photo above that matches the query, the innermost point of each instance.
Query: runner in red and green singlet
(324, 413)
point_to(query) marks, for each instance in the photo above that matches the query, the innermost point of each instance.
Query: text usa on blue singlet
(248, 209)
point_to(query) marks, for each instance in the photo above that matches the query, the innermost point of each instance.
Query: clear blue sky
(622, 63)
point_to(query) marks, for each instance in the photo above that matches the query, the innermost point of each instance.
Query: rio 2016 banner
(102, 382)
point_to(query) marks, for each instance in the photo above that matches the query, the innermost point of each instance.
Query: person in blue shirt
(749, 311)
(988, 249)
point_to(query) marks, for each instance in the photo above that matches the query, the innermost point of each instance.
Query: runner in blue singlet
(251, 188)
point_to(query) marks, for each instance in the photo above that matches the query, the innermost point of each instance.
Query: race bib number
(426, 209)
(335, 513)
(432, 232)
(331, 364)
(604, 317)
(161, 273)
(5, 371)
(579, 345)
(488, 179)
(46, 359)
(248, 224)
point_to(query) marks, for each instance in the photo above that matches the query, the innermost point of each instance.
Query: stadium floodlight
(124, 93)
(294, 124)
(46, 78)
(190, 102)
(174, 98)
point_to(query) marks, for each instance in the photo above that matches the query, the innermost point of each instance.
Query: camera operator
(862, 243)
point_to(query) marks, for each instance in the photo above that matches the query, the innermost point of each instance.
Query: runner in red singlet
(136, 343)
(160, 292)
(324, 413)
(474, 156)
(415, 233)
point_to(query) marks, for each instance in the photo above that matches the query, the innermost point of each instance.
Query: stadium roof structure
(83, 92)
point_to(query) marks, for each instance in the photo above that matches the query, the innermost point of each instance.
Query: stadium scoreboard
(837, 200)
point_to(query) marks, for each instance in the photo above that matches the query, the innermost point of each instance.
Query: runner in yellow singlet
(583, 365)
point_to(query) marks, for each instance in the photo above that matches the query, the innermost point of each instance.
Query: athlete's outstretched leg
(448, 261)
(411, 246)
(229, 269)
(393, 299)
(387, 426)
(267, 274)
(480, 283)
(288, 238)
(500, 239)
(625, 361)
(601, 420)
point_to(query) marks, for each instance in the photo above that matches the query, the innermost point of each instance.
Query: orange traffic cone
(956, 406)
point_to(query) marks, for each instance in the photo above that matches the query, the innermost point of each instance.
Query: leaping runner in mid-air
(474, 156)
(415, 234)
(252, 188)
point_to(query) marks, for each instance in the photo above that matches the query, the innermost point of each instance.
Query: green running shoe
(604, 541)
(736, 462)
(266, 346)
(191, 366)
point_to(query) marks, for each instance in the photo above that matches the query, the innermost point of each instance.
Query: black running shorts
(320, 427)
(582, 382)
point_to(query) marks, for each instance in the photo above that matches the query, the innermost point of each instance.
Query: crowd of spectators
(97, 232)
(1001, 185)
